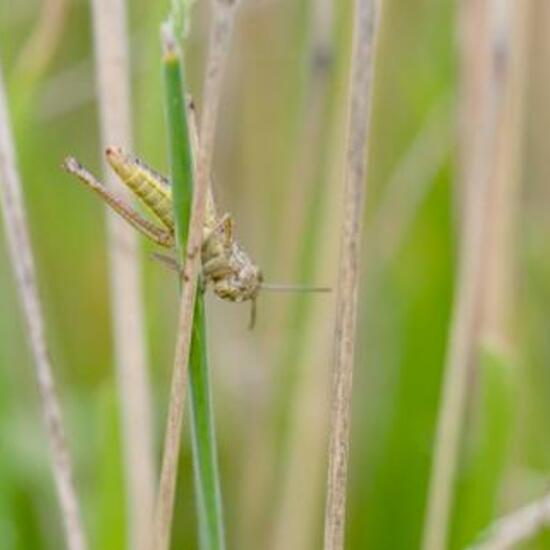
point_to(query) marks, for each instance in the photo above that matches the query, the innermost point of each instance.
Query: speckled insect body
(226, 267)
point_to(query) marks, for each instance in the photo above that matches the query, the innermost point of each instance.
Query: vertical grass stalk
(21, 257)
(360, 94)
(485, 70)
(505, 184)
(483, 466)
(191, 345)
(113, 76)
(181, 171)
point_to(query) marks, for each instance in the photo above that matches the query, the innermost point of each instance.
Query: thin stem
(499, 293)
(348, 278)
(483, 94)
(203, 437)
(211, 527)
(517, 527)
(205, 460)
(169, 469)
(212, 534)
(113, 74)
(19, 245)
(182, 176)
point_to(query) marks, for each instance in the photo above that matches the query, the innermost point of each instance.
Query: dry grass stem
(499, 283)
(479, 149)
(22, 262)
(473, 24)
(220, 40)
(113, 76)
(518, 527)
(348, 277)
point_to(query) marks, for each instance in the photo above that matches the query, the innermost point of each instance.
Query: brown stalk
(349, 271)
(19, 246)
(220, 41)
(499, 273)
(486, 52)
(113, 76)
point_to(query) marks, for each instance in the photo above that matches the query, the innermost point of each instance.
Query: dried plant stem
(220, 39)
(112, 62)
(348, 277)
(539, 89)
(482, 98)
(21, 258)
(518, 527)
(169, 470)
(499, 285)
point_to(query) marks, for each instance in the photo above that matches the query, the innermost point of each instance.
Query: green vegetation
(207, 484)
(283, 188)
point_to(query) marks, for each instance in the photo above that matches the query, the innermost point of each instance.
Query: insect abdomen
(151, 188)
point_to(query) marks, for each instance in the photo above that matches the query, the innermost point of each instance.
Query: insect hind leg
(154, 233)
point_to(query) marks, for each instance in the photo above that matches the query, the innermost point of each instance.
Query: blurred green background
(278, 170)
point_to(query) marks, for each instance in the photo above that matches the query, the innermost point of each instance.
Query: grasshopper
(226, 266)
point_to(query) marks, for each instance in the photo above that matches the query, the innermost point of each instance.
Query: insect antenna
(273, 287)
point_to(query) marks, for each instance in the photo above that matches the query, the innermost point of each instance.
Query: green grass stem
(205, 462)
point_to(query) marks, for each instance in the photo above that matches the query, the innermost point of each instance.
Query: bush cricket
(226, 266)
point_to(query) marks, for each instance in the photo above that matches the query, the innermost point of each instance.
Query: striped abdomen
(151, 188)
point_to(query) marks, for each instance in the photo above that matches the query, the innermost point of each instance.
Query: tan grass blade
(112, 64)
(485, 76)
(365, 19)
(19, 245)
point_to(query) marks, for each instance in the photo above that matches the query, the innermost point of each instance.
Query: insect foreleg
(156, 234)
(216, 268)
